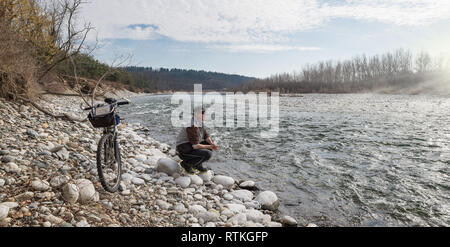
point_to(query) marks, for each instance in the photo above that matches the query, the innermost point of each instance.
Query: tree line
(399, 69)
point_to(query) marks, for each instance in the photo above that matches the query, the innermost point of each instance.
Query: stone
(247, 185)
(195, 209)
(4, 210)
(137, 181)
(10, 205)
(311, 225)
(39, 164)
(236, 208)
(163, 204)
(206, 176)
(208, 216)
(228, 196)
(255, 216)
(243, 195)
(274, 224)
(8, 158)
(24, 196)
(183, 182)
(70, 193)
(141, 158)
(228, 213)
(44, 126)
(32, 133)
(56, 149)
(180, 208)
(47, 224)
(12, 168)
(268, 200)
(39, 185)
(167, 166)
(127, 177)
(288, 221)
(2, 182)
(59, 181)
(53, 219)
(196, 180)
(63, 154)
(226, 181)
(87, 190)
(238, 220)
(252, 205)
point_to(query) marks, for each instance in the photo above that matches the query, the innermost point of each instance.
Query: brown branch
(64, 116)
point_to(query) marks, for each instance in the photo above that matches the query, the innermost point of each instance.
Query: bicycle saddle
(110, 100)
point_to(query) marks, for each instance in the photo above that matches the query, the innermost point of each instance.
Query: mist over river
(339, 160)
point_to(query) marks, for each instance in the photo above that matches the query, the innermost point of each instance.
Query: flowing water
(339, 160)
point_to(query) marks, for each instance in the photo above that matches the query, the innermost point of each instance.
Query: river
(338, 160)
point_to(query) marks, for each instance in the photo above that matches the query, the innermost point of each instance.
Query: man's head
(199, 113)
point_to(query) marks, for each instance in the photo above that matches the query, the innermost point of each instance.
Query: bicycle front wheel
(109, 165)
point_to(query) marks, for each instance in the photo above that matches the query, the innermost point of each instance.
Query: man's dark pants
(193, 157)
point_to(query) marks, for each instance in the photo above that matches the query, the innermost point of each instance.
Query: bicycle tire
(118, 174)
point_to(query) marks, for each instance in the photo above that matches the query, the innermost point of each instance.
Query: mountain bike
(109, 164)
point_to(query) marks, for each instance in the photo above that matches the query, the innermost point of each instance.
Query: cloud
(262, 48)
(246, 22)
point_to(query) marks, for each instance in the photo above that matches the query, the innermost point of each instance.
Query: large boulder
(226, 181)
(87, 191)
(268, 200)
(70, 193)
(168, 166)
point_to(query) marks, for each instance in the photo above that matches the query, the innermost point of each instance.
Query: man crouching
(194, 145)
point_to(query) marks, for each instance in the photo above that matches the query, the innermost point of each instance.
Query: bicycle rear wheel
(109, 165)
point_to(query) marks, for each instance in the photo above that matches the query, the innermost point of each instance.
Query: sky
(260, 38)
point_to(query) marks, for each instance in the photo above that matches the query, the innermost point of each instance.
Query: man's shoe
(201, 168)
(188, 168)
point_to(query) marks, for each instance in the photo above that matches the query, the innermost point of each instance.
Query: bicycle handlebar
(117, 103)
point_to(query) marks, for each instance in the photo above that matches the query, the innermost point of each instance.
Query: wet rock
(168, 166)
(70, 193)
(268, 200)
(250, 185)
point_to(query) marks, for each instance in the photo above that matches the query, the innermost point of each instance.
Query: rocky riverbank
(48, 177)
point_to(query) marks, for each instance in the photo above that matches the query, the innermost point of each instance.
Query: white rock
(243, 195)
(274, 224)
(196, 180)
(62, 154)
(168, 166)
(288, 221)
(236, 208)
(127, 177)
(255, 216)
(238, 220)
(228, 196)
(311, 225)
(163, 204)
(137, 181)
(206, 176)
(86, 189)
(228, 213)
(2, 182)
(141, 157)
(226, 181)
(183, 182)
(39, 185)
(12, 168)
(252, 205)
(268, 200)
(180, 208)
(10, 205)
(195, 209)
(70, 193)
(208, 216)
(247, 185)
(4, 210)
(53, 219)
(59, 181)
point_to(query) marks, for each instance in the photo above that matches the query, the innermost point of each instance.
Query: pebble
(4, 210)
(137, 181)
(2, 182)
(39, 185)
(183, 182)
(70, 193)
(268, 200)
(86, 190)
(225, 181)
(288, 221)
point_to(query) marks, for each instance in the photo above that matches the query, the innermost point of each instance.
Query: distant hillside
(178, 79)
